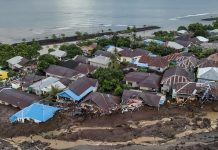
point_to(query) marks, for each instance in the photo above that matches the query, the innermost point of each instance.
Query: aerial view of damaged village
(109, 75)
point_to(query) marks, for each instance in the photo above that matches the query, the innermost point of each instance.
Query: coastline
(91, 35)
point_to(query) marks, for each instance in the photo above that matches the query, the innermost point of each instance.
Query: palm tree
(54, 91)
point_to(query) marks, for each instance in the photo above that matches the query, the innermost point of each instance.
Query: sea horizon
(41, 19)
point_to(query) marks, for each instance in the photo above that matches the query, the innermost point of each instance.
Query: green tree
(181, 28)
(198, 29)
(54, 91)
(44, 61)
(54, 37)
(118, 91)
(71, 49)
(157, 49)
(215, 24)
(109, 79)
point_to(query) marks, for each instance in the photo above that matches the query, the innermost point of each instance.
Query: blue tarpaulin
(36, 112)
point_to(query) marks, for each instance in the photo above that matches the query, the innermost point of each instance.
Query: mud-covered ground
(193, 126)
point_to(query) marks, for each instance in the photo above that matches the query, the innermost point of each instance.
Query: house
(36, 112)
(207, 74)
(85, 68)
(174, 76)
(71, 64)
(62, 72)
(59, 54)
(102, 53)
(81, 59)
(192, 90)
(132, 100)
(214, 32)
(88, 50)
(18, 62)
(174, 45)
(78, 89)
(100, 61)
(129, 55)
(16, 98)
(28, 80)
(204, 63)
(154, 63)
(213, 57)
(210, 45)
(3, 75)
(184, 43)
(145, 81)
(202, 39)
(148, 41)
(184, 60)
(112, 49)
(101, 103)
(44, 86)
(182, 31)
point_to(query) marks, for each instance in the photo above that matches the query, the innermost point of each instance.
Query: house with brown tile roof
(128, 55)
(62, 72)
(16, 98)
(29, 80)
(145, 81)
(213, 57)
(173, 76)
(85, 68)
(203, 63)
(101, 103)
(154, 63)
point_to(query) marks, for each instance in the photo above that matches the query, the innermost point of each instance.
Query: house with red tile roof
(156, 63)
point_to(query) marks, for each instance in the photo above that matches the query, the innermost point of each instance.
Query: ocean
(41, 18)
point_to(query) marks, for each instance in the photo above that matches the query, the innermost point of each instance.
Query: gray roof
(61, 71)
(44, 83)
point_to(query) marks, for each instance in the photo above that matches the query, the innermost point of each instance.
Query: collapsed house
(132, 100)
(183, 60)
(101, 103)
(193, 91)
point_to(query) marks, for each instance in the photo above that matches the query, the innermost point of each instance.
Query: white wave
(121, 25)
(189, 16)
(107, 25)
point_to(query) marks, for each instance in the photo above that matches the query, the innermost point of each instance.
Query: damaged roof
(105, 101)
(176, 75)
